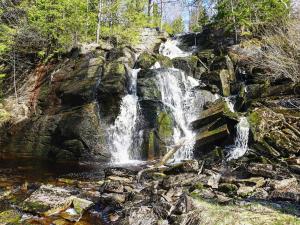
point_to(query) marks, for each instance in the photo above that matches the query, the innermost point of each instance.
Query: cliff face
(71, 103)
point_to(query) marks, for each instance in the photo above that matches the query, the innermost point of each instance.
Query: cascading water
(230, 103)
(121, 133)
(241, 139)
(179, 101)
(170, 49)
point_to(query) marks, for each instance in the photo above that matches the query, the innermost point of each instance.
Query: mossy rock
(164, 61)
(9, 217)
(230, 189)
(165, 125)
(187, 64)
(145, 61)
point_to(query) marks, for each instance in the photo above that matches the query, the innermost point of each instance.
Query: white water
(122, 132)
(230, 103)
(180, 101)
(170, 49)
(241, 139)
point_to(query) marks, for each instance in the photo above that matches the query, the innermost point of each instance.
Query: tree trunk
(99, 20)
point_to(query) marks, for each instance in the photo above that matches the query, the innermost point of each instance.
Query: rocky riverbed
(183, 193)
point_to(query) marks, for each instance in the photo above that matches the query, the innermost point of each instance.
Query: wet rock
(211, 136)
(9, 217)
(215, 111)
(186, 64)
(188, 166)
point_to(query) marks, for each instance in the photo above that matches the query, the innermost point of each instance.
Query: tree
(249, 15)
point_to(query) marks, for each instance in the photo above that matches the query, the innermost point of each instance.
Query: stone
(283, 184)
(48, 199)
(112, 187)
(265, 170)
(215, 111)
(295, 168)
(214, 180)
(260, 193)
(228, 188)
(9, 217)
(211, 136)
(183, 205)
(290, 194)
(145, 60)
(245, 191)
(141, 216)
(225, 81)
(187, 166)
(187, 64)
(113, 199)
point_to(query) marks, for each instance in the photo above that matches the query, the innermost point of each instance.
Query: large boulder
(187, 64)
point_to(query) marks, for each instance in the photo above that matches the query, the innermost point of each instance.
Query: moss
(34, 207)
(253, 213)
(4, 116)
(229, 189)
(254, 118)
(9, 217)
(164, 61)
(145, 60)
(198, 186)
(165, 125)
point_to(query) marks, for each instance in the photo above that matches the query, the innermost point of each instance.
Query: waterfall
(230, 103)
(241, 139)
(180, 101)
(121, 134)
(170, 49)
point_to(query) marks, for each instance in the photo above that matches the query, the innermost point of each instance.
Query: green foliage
(176, 27)
(199, 19)
(249, 15)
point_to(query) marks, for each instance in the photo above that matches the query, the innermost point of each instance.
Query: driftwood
(159, 167)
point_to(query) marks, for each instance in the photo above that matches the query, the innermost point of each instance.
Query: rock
(293, 161)
(183, 205)
(227, 188)
(112, 187)
(48, 199)
(214, 180)
(186, 64)
(188, 166)
(245, 191)
(181, 180)
(225, 81)
(9, 217)
(145, 60)
(223, 199)
(289, 194)
(211, 136)
(253, 181)
(265, 170)
(61, 222)
(295, 168)
(81, 205)
(113, 199)
(274, 129)
(215, 111)
(260, 193)
(141, 216)
(283, 184)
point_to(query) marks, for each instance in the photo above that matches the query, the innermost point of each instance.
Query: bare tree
(100, 5)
